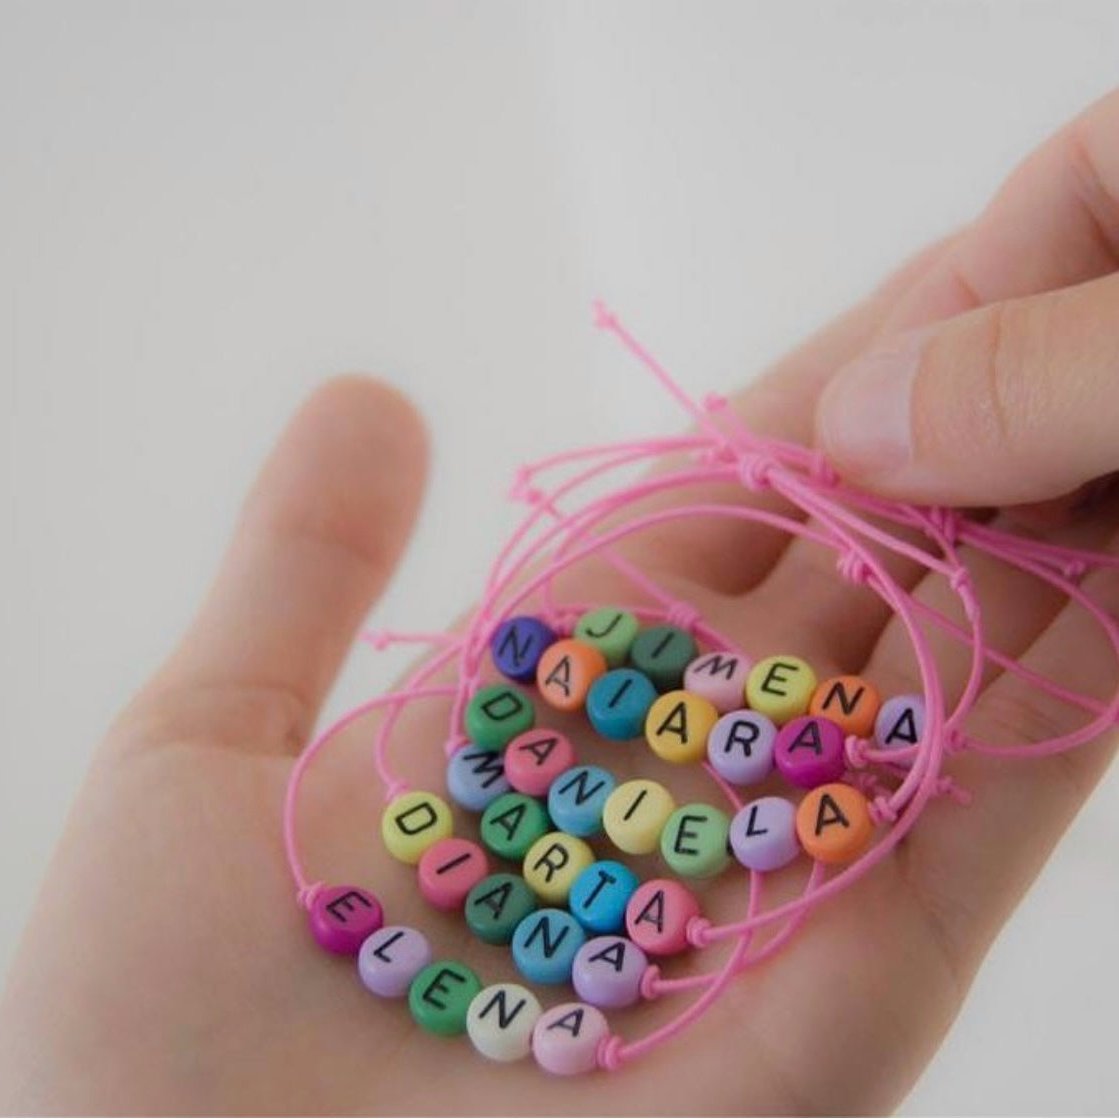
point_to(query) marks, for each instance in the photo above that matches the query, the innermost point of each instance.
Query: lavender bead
(608, 970)
(763, 834)
(900, 723)
(740, 747)
(390, 959)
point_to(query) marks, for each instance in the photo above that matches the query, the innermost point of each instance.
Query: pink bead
(657, 916)
(809, 751)
(449, 869)
(566, 1038)
(719, 678)
(342, 917)
(533, 760)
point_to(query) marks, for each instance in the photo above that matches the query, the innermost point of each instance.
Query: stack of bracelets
(846, 774)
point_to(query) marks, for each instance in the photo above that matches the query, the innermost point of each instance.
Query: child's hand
(166, 967)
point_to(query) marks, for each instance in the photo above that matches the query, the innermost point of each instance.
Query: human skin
(166, 968)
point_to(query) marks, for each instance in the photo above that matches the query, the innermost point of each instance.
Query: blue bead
(518, 644)
(600, 894)
(618, 703)
(576, 799)
(476, 777)
(545, 943)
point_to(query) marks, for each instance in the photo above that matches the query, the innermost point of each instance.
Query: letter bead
(496, 714)
(440, 996)
(849, 701)
(599, 895)
(553, 863)
(740, 747)
(677, 727)
(610, 631)
(566, 1038)
(341, 917)
(718, 677)
(577, 797)
(412, 823)
(663, 653)
(566, 672)
(476, 778)
(500, 1021)
(496, 906)
(544, 945)
(618, 703)
(834, 824)
(658, 914)
(608, 971)
(512, 824)
(533, 760)
(517, 646)
(391, 958)
(900, 724)
(635, 814)
(780, 687)
(694, 841)
(763, 834)
(449, 870)
(809, 752)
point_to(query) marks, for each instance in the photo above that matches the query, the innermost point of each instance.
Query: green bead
(497, 905)
(694, 841)
(497, 714)
(610, 631)
(662, 653)
(512, 824)
(439, 996)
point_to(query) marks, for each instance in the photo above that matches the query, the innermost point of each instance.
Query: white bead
(500, 1019)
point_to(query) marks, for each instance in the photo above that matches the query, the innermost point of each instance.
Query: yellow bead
(780, 687)
(678, 724)
(553, 863)
(635, 814)
(412, 823)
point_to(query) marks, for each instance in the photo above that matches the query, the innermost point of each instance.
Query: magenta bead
(391, 958)
(565, 1039)
(658, 915)
(342, 917)
(607, 971)
(719, 678)
(533, 760)
(809, 751)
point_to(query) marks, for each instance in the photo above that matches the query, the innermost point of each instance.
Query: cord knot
(683, 616)
(882, 811)
(306, 895)
(955, 741)
(855, 749)
(649, 986)
(756, 471)
(609, 1053)
(945, 521)
(1074, 569)
(960, 581)
(821, 470)
(697, 932)
(714, 402)
(853, 567)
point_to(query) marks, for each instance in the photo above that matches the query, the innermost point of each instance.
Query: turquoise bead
(544, 945)
(599, 896)
(577, 797)
(618, 703)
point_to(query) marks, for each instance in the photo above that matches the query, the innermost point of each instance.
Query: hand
(166, 967)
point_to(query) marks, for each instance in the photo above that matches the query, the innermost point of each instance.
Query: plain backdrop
(205, 209)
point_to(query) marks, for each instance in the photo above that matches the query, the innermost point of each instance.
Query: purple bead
(391, 958)
(740, 747)
(763, 834)
(809, 751)
(343, 916)
(900, 723)
(518, 644)
(608, 970)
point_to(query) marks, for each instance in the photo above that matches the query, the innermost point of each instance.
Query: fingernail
(864, 414)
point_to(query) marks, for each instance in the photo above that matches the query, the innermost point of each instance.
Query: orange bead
(834, 824)
(566, 672)
(849, 701)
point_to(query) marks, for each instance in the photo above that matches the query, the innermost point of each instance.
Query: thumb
(1015, 402)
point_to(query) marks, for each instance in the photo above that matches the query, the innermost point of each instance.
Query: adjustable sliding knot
(604, 318)
(821, 470)
(853, 567)
(960, 582)
(683, 616)
(650, 983)
(717, 454)
(609, 1054)
(948, 787)
(1073, 569)
(882, 811)
(756, 471)
(855, 749)
(307, 894)
(697, 932)
(955, 741)
(945, 521)
(396, 789)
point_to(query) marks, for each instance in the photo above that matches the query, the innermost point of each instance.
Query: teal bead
(498, 713)
(497, 905)
(663, 653)
(577, 797)
(618, 703)
(694, 841)
(544, 945)
(512, 824)
(440, 996)
(610, 631)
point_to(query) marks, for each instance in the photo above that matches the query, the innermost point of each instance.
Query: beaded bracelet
(655, 669)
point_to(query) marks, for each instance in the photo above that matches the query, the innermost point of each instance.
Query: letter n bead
(517, 646)
(500, 1021)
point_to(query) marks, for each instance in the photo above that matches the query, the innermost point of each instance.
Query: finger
(318, 539)
(1008, 404)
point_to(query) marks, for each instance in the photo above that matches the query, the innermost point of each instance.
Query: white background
(205, 209)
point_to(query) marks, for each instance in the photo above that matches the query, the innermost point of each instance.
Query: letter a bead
(553, 863)
(412, 823)
(517, 646)
(834, 824)
(512, 824)
(780, 687)
(677, 727)
(849, 701)
(608, 971)
(449, 870)
(566, 672)
(694, 841)
(566, 1038)
(500, 1021)
(618, 703)
(900, 723)
(440, 996)
(533, 760)
(496, 906)
(342, 917)
(496, 714)
(391, 958)
(718, 677)
(658, 914)
(610, 631)
(763, 834)
(635, 814)
(809, 752)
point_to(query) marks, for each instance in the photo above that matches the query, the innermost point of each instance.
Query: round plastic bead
(497, 905)
(553, 863)
(900, 723)
(476, 777)
(608, 970)
(566, 672)
(412, 823)
(449, 870)
(809, 752)
(610, 631)
(496, 714)
(599, 895)
(663, 653)
(849, 701)
(517, 646)
(544, 945)
(657, 916)
(512, 824)
(533, 760)
(341, 917)
(635, 814)
(780, 687)
(577, 797)
(500, 1021)
(391, 958)
(763, 834)
(566, 1038)
(834, 824)
(740, 747)
(440, 996)
(694, 841)
(618, 703)
(677, 727)
(718, 677)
